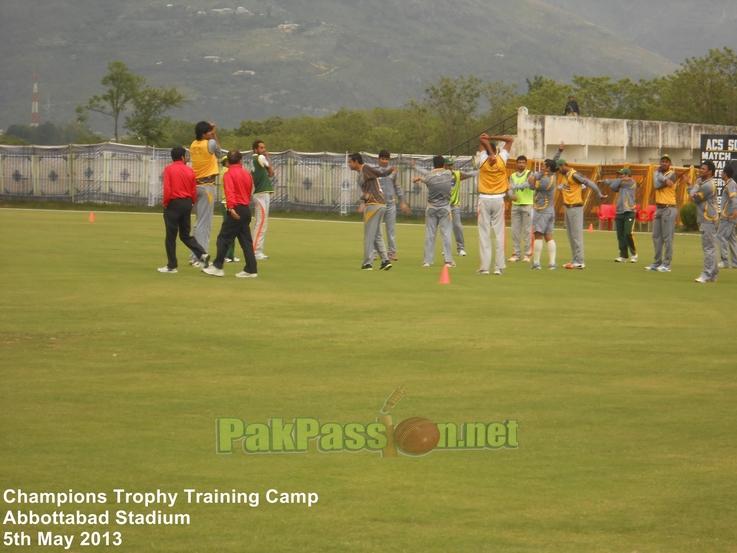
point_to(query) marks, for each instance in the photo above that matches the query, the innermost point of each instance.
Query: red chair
(646, 216)
(607, 212)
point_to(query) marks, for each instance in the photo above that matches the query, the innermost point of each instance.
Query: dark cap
(665, 156)
(449, 160)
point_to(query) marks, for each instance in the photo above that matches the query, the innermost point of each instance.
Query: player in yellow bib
(493, 190)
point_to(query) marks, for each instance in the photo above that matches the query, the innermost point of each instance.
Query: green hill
(353, 53)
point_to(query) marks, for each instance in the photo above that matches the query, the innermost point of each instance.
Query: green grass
(622, 381)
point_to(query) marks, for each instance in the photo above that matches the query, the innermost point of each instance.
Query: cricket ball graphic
(417, 435)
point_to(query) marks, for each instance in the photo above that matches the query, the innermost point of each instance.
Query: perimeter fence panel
(133, 175)
(17, 174)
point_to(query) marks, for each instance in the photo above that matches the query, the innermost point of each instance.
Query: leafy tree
(11, 140)
(49, 134)
(702, 90)
(454, 102)
(545, 96)
(148, 121)
(122, 86)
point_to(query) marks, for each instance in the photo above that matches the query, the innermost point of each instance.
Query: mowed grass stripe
(622, 382)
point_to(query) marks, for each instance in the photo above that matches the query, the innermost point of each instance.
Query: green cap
(560, 162)
(665, 156)
(223, 159)
(449, 160)
(624, 171)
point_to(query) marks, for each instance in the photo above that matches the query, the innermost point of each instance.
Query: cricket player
(439, 184)
(704, 195)
(543, 184)
(373, 213)
(624, 221)
(725, 234)
(571, 185)
(664, 222)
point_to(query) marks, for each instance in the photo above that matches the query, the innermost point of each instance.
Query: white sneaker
(450, 263)
(228, 260)
(425, 264)
(264, 256)
(721, 265)
(195, 264)
(663, 269)
(462, 253)
(701, 280)
(213, 271)
(205, 260)
(236, 259)
(619, 260)
(166, 270)
(634, 259)
(498, 272)
(244, 274)
(526, 259)
(482, 272)
(513, 259)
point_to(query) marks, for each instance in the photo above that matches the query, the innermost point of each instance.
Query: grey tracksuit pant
(204, 211)
(491, 217)
(455, 213)
(437, 217)
(373, 216)
(709, 245)
(522, 230)
(664, 228)
(574, 230)
(727, 242)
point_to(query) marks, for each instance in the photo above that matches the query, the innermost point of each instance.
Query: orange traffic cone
(444, 276)
(591, 227)
(92, 217)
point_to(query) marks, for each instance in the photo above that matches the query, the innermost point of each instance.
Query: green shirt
(261, 180)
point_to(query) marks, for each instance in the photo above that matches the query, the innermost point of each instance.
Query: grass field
(113, 376)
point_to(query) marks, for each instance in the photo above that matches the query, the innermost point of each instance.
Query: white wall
(601, 141)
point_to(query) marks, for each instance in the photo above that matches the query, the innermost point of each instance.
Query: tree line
(701, 90)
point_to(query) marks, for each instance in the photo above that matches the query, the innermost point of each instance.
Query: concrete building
(609, 141)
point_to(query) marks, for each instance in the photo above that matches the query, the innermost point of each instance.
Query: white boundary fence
(122, 174)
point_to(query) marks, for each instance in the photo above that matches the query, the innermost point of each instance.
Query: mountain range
(251, 59)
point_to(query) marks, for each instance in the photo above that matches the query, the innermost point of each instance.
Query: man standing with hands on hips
(238, 187)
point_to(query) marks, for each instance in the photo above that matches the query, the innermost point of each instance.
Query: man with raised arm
(571, 184)
(203, 155)
(439, 184)
(624, 220)
(493, 189)
(373, 212)
(262, 172)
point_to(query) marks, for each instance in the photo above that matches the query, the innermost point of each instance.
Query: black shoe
(367, 267)
(385, 265)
